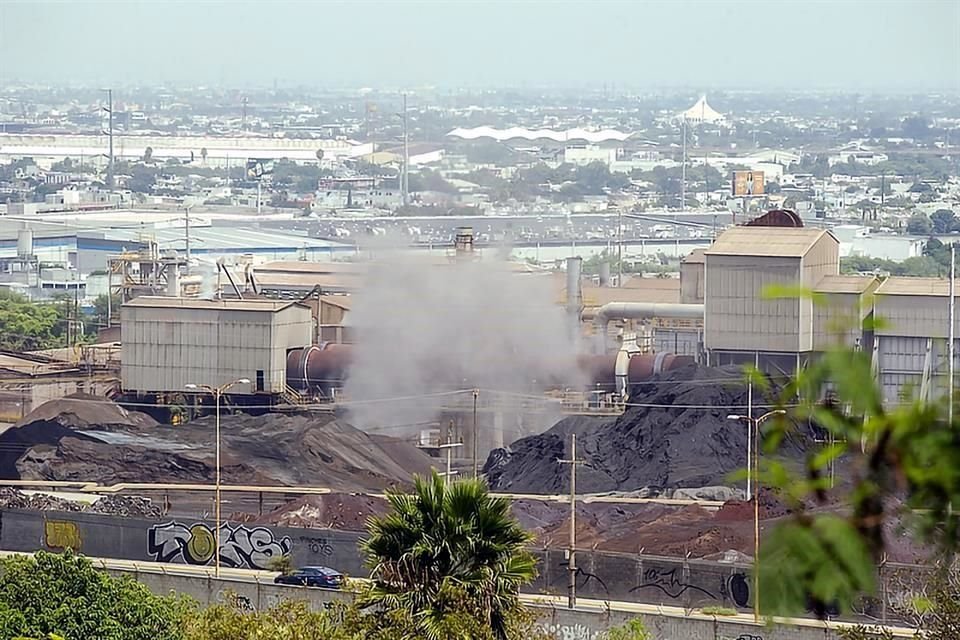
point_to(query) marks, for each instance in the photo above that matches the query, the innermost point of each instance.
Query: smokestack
(463, 242)
(25, 243)
(574, 287)
(604, 274)
(173, 280)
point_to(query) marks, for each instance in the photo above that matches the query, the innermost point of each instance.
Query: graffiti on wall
(60, 534)
(240, 547)
(670, 581)
(584, 578)
(571, 632)
(317, 546)
(738, 588)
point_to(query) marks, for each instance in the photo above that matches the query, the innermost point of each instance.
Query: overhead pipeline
(325, 367)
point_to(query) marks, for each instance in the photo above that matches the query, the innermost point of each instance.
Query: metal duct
(173, 280)
(641, 310)
(325, 367)
(574, 286)
(25, 243)
(604, 274)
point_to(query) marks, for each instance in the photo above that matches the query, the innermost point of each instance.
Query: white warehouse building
(171, 343)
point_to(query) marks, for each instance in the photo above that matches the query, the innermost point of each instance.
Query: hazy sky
(851, 44)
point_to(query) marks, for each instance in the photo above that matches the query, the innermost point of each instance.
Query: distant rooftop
(845, 284)
(697, 256)
(161, 302)
(513, 133)
(776, 242)
(901, 286)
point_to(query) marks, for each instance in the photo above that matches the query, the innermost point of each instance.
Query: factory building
(746, 318)
(910, 354)
(817, 308)
(169, 343)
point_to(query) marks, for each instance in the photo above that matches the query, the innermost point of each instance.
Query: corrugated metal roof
(845, 284)
(781, 242)
(338, 301)
(305, 266)
(307, 281)
(902, 286)
(225, 238)
(160, 302)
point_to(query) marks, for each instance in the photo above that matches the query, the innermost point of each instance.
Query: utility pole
(752, 426)
(405, 178)
(476, 453)
(109, 110)
(186, 228)
(950, 350)
(572, 548)
(619, 247)
(449, 446)
(683, 166)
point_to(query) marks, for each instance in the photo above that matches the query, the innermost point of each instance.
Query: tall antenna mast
(109, 111)
(683, 165)
(405, 187)
(950, 349)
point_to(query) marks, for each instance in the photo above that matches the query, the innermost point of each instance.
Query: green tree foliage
(288, 621)
(142, 178)
(905, 457)
(64, 595)
(919, 266)
(449, 554)
(633, 630)
(26, 326)
(944, 221)
(919, 225)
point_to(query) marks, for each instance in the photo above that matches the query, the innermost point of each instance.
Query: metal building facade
(841, 306)
(168, 343)
(910, 344)
(742, 266)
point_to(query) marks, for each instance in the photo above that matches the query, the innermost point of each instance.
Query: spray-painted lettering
(317, 546)
(669, 581)
(238, 601)
(59, 534)
(571, 632)
(585, 578)
(240, 547)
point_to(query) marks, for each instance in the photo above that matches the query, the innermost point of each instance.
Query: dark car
(312, 577)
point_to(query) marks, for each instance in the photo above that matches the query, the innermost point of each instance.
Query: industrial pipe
(640, 310)
(325, 367)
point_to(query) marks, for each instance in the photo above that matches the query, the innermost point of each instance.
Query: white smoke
(425, 328)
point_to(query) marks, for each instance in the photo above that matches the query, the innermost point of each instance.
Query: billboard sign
(256, 169)
(748, 183)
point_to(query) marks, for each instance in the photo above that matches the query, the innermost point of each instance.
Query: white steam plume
(424, 328)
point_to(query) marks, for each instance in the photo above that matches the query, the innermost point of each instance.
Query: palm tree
(445, 550)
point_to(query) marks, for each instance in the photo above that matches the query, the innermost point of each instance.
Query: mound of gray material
(299, 449)
(674, 434)
(131, 506)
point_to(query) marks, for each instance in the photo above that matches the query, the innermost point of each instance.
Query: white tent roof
(702, 112)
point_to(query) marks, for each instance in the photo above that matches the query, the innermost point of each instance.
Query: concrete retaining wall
(563, 624)
(601, 575)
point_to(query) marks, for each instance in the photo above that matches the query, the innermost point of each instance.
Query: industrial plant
(303, 336)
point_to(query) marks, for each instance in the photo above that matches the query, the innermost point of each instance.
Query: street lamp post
(217, 392)
(753, 432)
